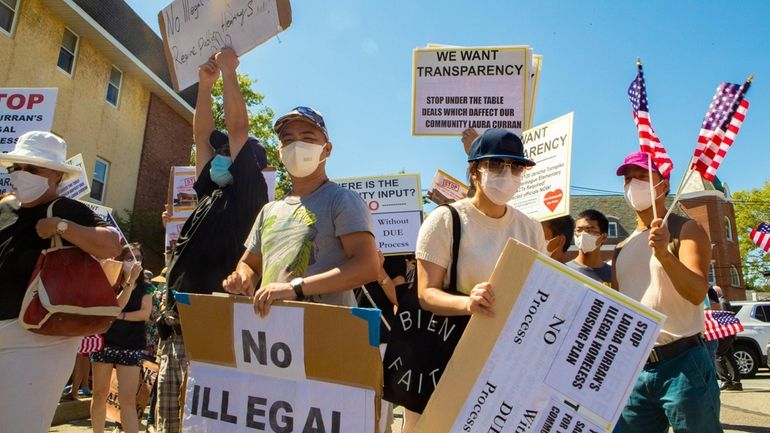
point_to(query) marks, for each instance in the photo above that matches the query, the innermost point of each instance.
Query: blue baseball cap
(306, 114)
(498, 143)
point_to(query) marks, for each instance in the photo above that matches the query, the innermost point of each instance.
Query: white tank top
(641, 277)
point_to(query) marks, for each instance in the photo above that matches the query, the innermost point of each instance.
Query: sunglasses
(498, 166)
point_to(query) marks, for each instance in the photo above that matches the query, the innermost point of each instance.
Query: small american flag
(648, 140)
(720, 126)
(721, 324)
(91, 344)
(761, 236)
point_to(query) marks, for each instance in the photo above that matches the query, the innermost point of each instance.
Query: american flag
(720, 126)
(91, 344)
(721, 324)
(761, 236)
(648, 141)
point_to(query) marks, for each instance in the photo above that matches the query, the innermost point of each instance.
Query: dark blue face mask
(220, 170)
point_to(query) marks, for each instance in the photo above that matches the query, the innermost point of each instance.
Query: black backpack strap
(456, 234)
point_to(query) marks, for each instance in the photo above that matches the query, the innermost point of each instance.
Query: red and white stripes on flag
(91, 344)
(721, 324)
(650, 143)
(713, 145)
(761, 236)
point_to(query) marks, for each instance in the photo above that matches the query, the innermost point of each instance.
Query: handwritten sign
(193, 30)
(396, 206)
(475, 87)
(445, 189)
(24, 110)
(544, 192)
(560, 348)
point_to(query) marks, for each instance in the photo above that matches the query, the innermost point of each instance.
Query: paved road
(747, 411)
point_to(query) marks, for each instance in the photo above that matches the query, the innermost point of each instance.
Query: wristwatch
(296, 285)
(62, 226)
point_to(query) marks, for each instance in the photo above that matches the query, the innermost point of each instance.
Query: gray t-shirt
(300, 236)
(602, 274)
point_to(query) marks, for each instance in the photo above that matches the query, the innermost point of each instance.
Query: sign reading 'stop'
(194, 30)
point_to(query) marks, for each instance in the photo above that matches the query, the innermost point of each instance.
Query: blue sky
(352, 60)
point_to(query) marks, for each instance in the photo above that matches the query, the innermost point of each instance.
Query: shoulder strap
(456, 234)
(56, 241)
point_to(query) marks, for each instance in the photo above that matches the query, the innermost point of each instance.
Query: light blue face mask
(220, 170)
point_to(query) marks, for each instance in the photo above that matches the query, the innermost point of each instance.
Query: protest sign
(537, 65)
(271, 179)
(173, 230)
(544, 192)
(105, 213)
(194, 30)
(557, 338)
(75, 188)
(445, 189)
(5, 181)
(24, 110)
(303, 367)
(455, 88)
(395, 202)
(182, 196)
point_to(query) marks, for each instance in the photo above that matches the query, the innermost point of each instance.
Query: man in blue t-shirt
(591, 231)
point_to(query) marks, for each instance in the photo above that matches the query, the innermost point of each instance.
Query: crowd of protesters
(317, 244)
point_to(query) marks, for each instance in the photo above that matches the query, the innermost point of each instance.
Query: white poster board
(470, 87)
(544, 192)
(271, 179)
(557, 337)
(195, 30)
(183, 197)
(24, 110)
(105, 213)
(395, 202)
(79, 187)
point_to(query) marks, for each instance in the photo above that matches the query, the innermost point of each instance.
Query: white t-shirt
(482, 240)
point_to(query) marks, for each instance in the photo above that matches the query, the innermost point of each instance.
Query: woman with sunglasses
(496, 163)
(124, 345)
(34, 368)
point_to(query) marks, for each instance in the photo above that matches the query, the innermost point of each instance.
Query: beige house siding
(83, 117)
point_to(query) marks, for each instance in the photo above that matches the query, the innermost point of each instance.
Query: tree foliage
(751, 208)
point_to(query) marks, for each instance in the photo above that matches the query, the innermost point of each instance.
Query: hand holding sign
(227, 60)
(208, 73)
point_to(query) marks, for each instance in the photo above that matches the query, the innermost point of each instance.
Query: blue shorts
(681, 392)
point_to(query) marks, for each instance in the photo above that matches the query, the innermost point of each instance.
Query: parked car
(752, 344)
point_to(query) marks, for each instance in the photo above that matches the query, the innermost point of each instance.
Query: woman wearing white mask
(35, 368)
(496, 163)
(124, 345)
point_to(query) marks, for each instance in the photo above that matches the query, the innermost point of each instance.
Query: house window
(712, 275)
(8, 11)
(735, 279)
(612, 230)
(68, 51)
(99, 181)
(113, 87)
(728, 229)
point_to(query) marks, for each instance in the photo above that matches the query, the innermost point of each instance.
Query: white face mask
(586, 242)
(500, 188)
(550, 251)
(128, 264)
(301, 158)
(28, 187)
(637, 193)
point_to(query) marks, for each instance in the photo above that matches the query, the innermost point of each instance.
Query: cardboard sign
(173, 230)
(182, 196)
(396, 205)
(76, 188)
(303, 367)
(24, 110)
(544, 192)
(105, 213)
(475, 87)
(445, 189)
(557, 338)
(194, 30)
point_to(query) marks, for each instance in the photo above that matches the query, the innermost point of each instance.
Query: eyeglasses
(589, 230)
(498, 166)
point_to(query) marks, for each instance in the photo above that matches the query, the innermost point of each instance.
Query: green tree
(260, 126)
(751, 208)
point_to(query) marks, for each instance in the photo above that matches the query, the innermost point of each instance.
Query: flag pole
(685, 179)
(649, 164)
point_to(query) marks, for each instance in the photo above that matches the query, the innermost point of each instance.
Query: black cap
(498, 143)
